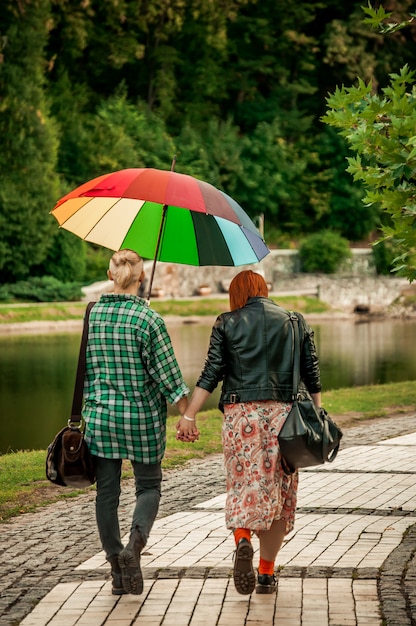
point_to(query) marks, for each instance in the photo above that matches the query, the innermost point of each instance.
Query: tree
(28, 140)
(120, 135)
(381, 131)
(347, 214)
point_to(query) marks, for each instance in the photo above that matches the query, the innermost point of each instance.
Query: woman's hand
(186, 429)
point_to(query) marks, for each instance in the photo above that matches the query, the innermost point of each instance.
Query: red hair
(245, 285)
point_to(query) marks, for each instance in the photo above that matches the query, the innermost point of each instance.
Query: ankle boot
(129, 562)
(117, 584)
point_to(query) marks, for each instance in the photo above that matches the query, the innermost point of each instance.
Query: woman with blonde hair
(131, 372)
(250, 351)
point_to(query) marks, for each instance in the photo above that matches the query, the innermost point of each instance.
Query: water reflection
(37, 372)
(365, 353)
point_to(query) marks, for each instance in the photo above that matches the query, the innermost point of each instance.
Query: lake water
(37, 372)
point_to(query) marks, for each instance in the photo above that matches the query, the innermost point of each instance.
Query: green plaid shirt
(131, 372)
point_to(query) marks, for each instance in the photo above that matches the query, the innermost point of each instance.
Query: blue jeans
(148, 480)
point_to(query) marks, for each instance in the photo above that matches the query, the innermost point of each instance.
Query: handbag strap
(79, 379)
(296, 354)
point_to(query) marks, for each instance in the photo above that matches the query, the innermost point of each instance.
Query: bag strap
(79, 379)
(296, 353)
(326, 455)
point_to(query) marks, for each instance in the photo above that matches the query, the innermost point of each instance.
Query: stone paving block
(128, 608)
(32, 620)
(403, 440)
(65, 618)
(365, 490)
(214, 503)
(93, 618)
(374, 458)
(353, 550)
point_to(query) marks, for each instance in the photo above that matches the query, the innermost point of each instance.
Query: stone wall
(345, 293)
(356, 283)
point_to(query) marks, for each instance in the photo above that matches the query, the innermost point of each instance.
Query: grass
(50, 311)
(23, 485)
(371, 401)
(21, 313)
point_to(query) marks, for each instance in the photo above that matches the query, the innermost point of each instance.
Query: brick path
(349, 561)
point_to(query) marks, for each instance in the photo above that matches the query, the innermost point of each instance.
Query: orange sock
(240, 533)
(266, 567)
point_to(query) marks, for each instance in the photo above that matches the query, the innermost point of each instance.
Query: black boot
(266, 583)
(129, 561)
(117, 584)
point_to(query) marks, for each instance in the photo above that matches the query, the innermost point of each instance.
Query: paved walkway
(349, 561)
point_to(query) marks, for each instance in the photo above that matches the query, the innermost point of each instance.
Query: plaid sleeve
(161, 363)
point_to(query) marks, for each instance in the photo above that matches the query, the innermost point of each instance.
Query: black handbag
(68, 459)
(309, 436)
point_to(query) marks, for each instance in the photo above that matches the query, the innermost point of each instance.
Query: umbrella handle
(159, 239)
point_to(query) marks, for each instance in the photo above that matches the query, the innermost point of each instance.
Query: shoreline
(42, 327)
(71, 326)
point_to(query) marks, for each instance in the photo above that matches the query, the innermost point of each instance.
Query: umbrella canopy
(162, 215)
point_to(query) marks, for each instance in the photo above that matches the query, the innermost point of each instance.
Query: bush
(5, 294)
(45, 289)
(324, 252)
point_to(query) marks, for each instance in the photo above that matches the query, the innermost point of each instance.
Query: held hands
(186, 429)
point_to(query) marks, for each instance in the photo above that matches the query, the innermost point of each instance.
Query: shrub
(324, 252)
(5, 294)
(45, 289)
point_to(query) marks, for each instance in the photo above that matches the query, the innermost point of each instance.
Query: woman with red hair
(250, 351)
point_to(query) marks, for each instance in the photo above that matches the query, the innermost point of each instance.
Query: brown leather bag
(68, 459)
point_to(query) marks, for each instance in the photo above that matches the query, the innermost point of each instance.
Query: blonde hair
(245, 285)
(126, 267)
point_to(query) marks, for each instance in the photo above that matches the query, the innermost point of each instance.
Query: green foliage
(271, 165)
(377, 19)
(45, 289)
(347, 214)
(5, 295)
(381, 131)
(323, 252)
(384, 255)
(120, 135)
(127, 135)
(235, 89)
(28, 140)
(66, 259)
(275, 238)
(97, 260)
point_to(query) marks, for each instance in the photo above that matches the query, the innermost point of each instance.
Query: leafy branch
(380, 129)
(377, 20)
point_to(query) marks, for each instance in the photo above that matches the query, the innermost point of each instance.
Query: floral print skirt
(258, 490)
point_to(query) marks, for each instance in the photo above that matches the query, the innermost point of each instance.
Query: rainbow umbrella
(162, 215)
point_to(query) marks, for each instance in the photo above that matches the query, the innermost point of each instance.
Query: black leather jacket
(250, 350)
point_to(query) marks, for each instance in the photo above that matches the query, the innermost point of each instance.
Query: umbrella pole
(159, 239)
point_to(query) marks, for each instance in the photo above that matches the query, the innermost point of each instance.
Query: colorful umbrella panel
(200, 224)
